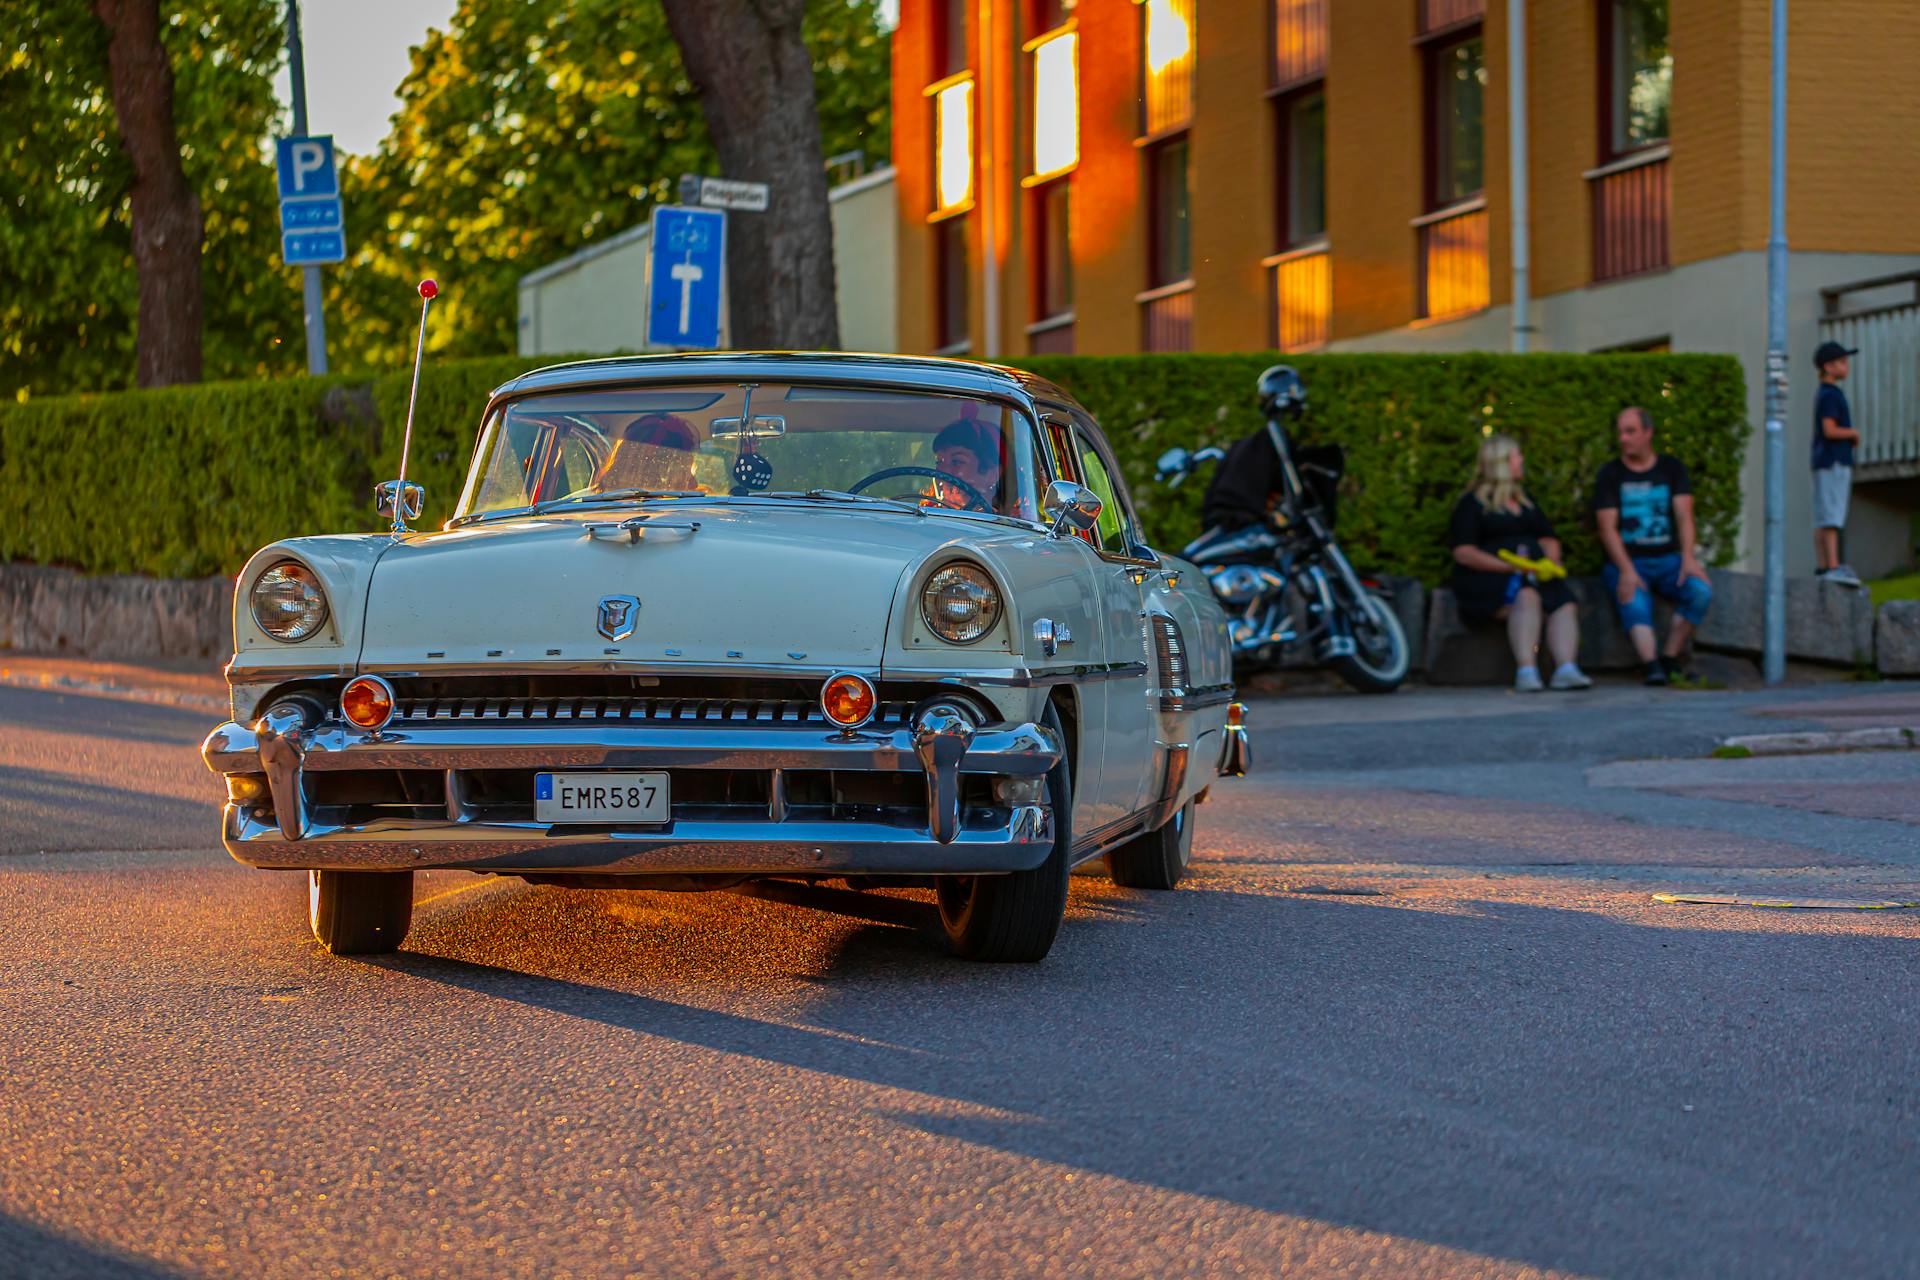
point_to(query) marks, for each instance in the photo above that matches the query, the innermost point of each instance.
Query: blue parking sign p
(305, 167)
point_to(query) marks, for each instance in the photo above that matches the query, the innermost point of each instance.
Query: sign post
(311, 227)
(685, 277)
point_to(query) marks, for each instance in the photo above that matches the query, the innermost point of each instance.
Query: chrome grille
(625, 709)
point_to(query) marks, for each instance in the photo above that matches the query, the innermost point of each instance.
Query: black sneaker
(1656, 674)
(1674, 669)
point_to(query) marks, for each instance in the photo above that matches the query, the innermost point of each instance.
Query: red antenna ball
(429, 289)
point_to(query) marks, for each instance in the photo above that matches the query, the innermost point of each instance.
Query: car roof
(927, 373)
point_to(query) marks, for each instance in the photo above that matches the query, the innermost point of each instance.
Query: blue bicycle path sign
(686, 277)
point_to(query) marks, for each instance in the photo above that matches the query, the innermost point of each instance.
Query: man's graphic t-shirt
(1644, 500)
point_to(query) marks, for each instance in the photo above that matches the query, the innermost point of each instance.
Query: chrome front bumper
(941, 746)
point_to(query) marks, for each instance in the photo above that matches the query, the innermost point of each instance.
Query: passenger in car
(654, 451)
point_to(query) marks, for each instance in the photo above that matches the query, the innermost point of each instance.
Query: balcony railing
(1884, 388)
(1052, 336)
(1302, 298)
(1630, 216)
(1299, 41)
(1166, 318)
(1453, 260)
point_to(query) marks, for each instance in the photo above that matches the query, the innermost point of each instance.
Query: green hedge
(190, 480)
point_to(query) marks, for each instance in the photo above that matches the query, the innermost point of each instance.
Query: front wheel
(1380, 657)
(360, 913)
(1157, 859)
(1014, 918)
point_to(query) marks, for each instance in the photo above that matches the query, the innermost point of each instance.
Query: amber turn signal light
(367, 702)
(848, 700)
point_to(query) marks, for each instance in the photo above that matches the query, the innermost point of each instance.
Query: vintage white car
(700, 620)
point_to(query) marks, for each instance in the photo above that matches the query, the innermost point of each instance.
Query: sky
(356, 56)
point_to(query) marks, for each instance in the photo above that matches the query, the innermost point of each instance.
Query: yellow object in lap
(1543, 569)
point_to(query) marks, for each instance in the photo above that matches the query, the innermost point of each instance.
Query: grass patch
(1903, 588)
(1725, 752)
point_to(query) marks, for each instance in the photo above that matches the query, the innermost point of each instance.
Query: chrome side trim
(1019, 843)
(1194, 699)
(1174, 758)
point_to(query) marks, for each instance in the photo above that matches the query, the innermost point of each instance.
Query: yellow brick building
(1106, 176)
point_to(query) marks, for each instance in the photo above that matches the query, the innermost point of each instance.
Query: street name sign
(727, 193)
(685, 277)
(312, 228)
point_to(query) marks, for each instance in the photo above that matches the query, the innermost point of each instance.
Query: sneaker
(1656, 675)
(1843, 575)
(1675, 669)
(1570, 676)
(1527, 680)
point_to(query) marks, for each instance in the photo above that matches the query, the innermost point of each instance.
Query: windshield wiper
(611, 495)
(840, 495)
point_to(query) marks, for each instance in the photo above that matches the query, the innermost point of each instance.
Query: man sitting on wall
(1643, 504)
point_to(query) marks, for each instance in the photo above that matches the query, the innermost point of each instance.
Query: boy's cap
(1831, 351)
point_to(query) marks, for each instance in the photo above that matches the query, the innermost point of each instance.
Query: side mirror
(1069, 507)
(411, 498)
(1173, 465)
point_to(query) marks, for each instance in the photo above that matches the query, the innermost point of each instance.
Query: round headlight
(288, 602)
(960, 603)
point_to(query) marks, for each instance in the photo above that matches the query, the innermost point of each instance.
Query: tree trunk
(166, 213)
(755, 78)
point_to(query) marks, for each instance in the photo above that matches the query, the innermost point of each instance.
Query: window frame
(1041, 225)
(945, 229)
(1434, 51)
(1285, 103)
(1152, 156)
(1611, 104)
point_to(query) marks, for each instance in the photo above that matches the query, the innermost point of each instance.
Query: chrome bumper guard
(941, 744)
(1236, 753)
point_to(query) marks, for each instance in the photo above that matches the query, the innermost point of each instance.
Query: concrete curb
(1884, 738)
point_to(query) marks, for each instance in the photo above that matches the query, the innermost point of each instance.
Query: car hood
(804, 586)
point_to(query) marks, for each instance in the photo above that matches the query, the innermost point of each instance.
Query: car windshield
(735, 439)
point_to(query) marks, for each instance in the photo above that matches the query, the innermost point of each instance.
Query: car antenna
(402, 508)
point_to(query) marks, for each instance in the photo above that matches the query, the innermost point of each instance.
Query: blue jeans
(1662, 575)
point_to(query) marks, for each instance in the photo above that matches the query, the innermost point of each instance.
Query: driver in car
(654, 451)
(968, 450)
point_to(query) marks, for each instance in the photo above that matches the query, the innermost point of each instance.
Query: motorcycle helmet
(1281, 391)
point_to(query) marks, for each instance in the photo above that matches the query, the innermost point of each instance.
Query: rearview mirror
(1070, 507)
(764, 424)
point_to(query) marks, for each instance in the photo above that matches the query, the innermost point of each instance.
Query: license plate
(600, 797)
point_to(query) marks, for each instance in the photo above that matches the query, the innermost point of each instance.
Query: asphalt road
(1416, 1013)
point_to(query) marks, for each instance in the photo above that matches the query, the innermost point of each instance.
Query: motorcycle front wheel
(1380, 655)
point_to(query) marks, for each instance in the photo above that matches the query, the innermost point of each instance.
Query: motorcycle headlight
(287, 601)
(960, 603)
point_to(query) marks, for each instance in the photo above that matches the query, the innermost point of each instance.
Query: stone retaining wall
(44, 610)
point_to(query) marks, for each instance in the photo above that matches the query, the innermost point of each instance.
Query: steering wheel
(975, 500)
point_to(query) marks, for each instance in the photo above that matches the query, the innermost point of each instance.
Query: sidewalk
(179, 685)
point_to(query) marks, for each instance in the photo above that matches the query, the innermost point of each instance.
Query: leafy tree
(527, 132)
(69, 289)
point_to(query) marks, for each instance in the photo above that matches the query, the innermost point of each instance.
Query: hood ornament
(617, 616)
(399, 498)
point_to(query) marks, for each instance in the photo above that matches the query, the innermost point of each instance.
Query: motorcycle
(1284, 581)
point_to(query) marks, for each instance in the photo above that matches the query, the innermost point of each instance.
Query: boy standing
(1833, 440)
(1643, 504)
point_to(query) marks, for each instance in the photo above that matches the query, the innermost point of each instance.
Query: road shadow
(72, 710)
(48, 811)
(1509, 1080)
(29, 1250)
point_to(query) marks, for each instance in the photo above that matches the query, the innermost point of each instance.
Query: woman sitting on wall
(1497, 515)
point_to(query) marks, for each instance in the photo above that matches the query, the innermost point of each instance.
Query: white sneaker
(1527, 680)
(1571, 677)
(1843, 575)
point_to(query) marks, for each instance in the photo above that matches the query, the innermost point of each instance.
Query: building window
(1457, 85)
(949, 37)
(1639, 80)
(1056, 103)
(1053, 256)
(1169, 255)
(1299, 41)
(1167, 75)
(951, 331)
(1438, 15)
(1047, 15)
(952, 145)
(1302, 168)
